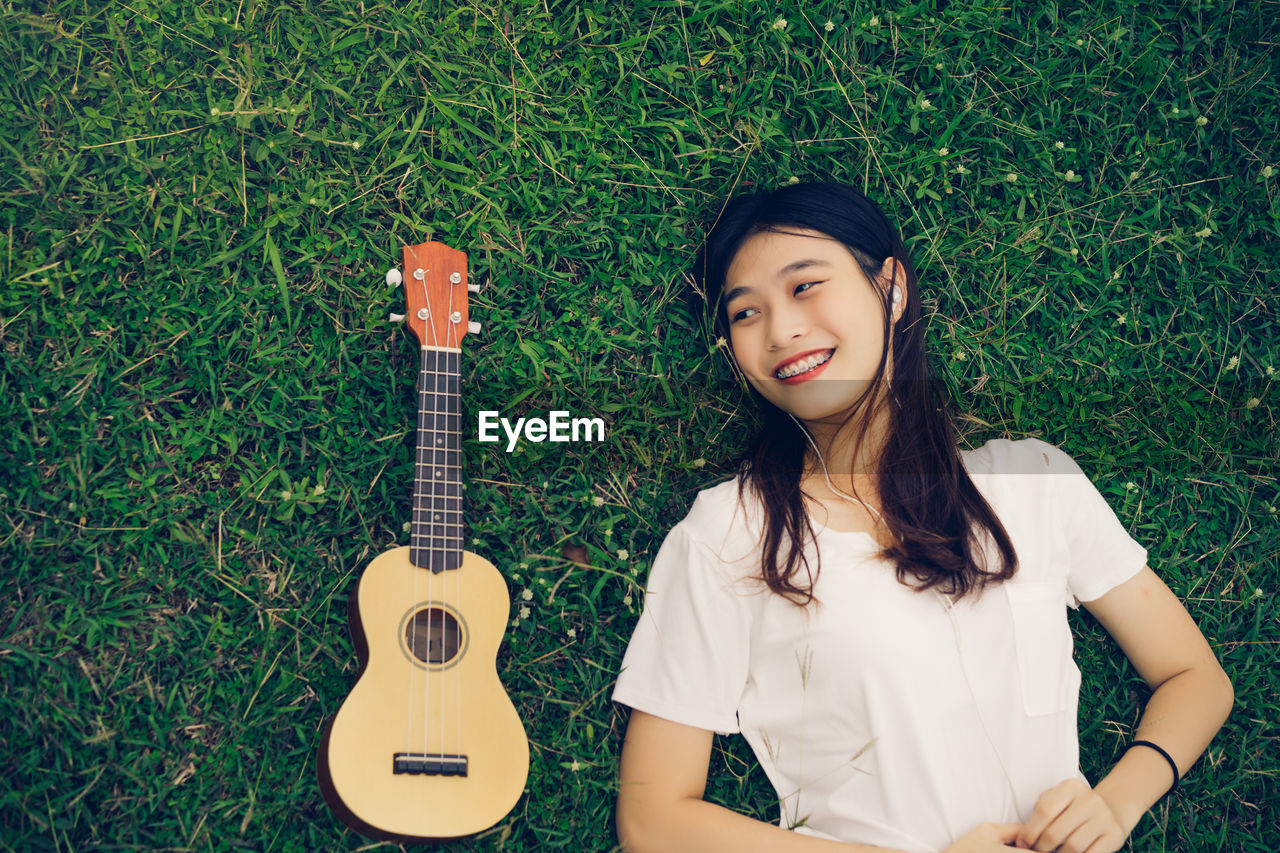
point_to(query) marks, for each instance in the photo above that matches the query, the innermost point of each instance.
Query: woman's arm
(660, 806)
(1191, 698)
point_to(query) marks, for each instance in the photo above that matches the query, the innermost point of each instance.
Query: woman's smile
(804, 367)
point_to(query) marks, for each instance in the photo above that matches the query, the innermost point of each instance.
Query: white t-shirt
(879, 716)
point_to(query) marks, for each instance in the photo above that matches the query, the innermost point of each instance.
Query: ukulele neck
(436, 531)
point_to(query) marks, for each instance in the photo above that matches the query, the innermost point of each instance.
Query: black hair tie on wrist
(1167, 757)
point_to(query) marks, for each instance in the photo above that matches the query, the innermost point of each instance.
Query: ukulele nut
(424, 314)
(455, 278)
(419, 274)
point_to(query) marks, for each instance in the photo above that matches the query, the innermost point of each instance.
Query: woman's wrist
(1136, 783)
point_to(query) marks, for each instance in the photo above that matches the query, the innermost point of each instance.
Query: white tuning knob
(473, 288)
(473, 328)
(394, 278)
(395, 318)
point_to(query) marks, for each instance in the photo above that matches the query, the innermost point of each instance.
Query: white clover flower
(572, 633)
(1271, 371)
(1175, 111)
(874, 21)
(1253, 403)
(597, 501)
(524, 565)
(525, 612)
(1133, 487)
(937, 66)
(623, 553)
(944, 151)
(699, 462)
(285, 494)
(1204, 232)
(961, 170)
(356, 145)
(1257, 593)
(1074, 251)
(215, 111)
(1120, 320)
(1267, 171)
(721, 343)
(608, 531)
(1079, 42)
(526, 594)
(780, 24)
(926, 104)
(829, 26)
(961, 355)
(1115, 276)
(405, 527)
(575, 766)
(1133, 176)
(1071, 175)
(627, 599)
(318, 490)
(1233, 363)
(1011, 177)
(1058, 145)
(793, 180)
(1201, 121)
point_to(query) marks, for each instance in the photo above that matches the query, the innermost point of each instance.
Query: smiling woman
(881, 614)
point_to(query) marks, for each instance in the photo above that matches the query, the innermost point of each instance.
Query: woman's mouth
(804, 369)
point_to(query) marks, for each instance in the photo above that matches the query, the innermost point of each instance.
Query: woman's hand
(986, 838)
(1071, 817)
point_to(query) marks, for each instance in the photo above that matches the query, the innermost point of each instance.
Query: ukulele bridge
(429, 764)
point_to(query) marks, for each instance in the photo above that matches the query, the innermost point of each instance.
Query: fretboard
(436, 532)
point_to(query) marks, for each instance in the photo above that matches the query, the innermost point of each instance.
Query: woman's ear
(893, 275)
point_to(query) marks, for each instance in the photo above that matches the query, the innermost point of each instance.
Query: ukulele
(428, 745)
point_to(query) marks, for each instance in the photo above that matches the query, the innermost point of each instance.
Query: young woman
(881, 614)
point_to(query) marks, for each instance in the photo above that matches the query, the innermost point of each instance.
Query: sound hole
(433, 636)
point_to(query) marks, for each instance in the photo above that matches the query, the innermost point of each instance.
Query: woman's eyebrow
(794, 266)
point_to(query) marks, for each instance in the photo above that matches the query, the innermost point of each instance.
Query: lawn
(209, 414)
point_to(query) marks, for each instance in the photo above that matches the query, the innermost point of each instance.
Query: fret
(448, 503)
(436, 533)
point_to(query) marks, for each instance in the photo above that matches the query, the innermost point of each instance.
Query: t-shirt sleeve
(1101, 554)
(687, 659)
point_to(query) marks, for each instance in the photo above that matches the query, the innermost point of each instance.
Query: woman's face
(804, 323)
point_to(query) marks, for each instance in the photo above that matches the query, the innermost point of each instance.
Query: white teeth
(804, 365)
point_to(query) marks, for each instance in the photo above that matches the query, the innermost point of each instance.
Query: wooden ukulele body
(450, 704)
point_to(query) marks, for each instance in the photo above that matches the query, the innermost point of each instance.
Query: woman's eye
(742, 315)
(801, 288)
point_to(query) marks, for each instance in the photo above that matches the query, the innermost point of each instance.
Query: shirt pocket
(1042, 640)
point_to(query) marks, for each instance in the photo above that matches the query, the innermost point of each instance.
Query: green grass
(209, 416)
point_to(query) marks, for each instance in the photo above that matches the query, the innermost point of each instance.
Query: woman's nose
(785, 325)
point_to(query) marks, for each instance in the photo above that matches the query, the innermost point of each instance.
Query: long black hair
(928, 502)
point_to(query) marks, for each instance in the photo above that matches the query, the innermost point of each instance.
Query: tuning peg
(473, 328)
(395, 318)
(473, 287)
(394, 278)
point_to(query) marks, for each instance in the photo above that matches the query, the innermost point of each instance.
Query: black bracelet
(1167, 758)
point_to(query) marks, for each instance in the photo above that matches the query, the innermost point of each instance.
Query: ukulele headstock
(436, 292)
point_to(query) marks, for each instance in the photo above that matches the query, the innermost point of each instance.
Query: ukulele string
(431, 527)
(454, 515)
